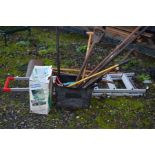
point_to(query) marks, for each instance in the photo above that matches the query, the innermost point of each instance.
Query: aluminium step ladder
(129, 88)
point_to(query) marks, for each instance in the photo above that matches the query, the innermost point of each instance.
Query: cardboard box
(40, 91)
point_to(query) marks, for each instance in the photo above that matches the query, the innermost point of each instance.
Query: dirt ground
(104, 112)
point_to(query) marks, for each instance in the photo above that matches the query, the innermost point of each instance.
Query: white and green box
(40, 84)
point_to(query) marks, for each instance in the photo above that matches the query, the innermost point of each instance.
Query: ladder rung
(127, 82)
(110, 85)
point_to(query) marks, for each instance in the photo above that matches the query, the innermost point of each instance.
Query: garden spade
(98, 34)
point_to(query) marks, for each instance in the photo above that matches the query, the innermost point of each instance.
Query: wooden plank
(131, 28)
(149, 51)
(124, 32)
(117, 32)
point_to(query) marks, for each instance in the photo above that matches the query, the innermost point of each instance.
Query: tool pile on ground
(98, 72)
(75, 91)
(104, 111)
(69, 94)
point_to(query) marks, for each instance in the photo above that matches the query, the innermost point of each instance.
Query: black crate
(73, 98)
(67, 77)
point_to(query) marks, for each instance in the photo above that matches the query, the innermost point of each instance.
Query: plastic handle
(6, 85)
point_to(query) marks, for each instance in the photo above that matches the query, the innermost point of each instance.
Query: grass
(114, 112)
(143, 76)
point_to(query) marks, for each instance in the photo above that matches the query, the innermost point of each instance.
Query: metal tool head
(98, 34)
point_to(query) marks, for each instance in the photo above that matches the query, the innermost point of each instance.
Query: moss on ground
(115, 112)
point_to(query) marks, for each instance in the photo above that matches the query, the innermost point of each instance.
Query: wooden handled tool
(103, 72)
(70, 70)
(97, 74)
(137, 32)
(87, 52)
(98, 34)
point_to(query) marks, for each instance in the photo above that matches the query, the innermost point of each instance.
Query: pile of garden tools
(75, 91)
(84, 80)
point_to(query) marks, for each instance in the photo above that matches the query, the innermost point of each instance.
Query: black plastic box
(73, 98)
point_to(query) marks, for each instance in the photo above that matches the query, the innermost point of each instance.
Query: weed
(43, 52)
(142, 77)
(23, 43)
(81, 49)
(130, 64)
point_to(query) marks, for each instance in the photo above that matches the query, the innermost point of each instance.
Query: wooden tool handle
(97, 74)
(87, 52)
